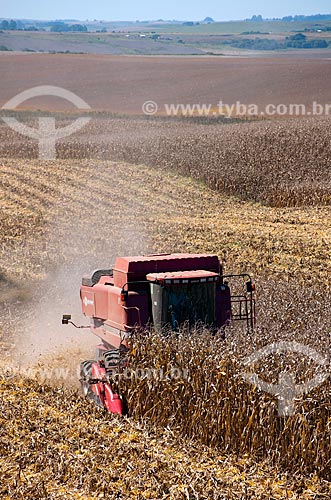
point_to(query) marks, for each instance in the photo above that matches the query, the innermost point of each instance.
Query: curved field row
(285, 163)
(172, 212)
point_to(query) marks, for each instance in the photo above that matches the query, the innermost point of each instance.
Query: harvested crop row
(50, 210)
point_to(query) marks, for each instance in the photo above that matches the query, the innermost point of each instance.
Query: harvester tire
(85, 375)
(111, 359)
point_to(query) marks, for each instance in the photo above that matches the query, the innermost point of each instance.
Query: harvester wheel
(85, 375)
(112, 360)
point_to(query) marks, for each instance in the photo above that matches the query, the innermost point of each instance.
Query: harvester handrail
(134, 283)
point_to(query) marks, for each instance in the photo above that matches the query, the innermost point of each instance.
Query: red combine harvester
(163, 291)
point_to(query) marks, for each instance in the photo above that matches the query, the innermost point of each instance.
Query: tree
(4, 25)
(78, 27)
(299, 37)
(58, 27)
(258, 18)
(12, 25)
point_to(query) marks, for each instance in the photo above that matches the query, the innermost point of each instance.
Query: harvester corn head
(162, 291)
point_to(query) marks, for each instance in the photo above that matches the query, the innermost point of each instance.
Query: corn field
(258, 195)
(195, 384)
(284, 163)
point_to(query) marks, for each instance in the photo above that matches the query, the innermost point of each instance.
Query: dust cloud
(44, 348)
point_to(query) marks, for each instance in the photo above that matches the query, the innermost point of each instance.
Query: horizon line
(157, 20)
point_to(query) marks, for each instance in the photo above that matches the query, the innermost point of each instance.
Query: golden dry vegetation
(55, 445)
(196, 386)
(51, 211)
(280, 163)
(63, 216)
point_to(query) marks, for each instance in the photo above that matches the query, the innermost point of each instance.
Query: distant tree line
(297, 41)
(190, 23)
(58, 27)
(9, 25)
(12, 25)
(315, 17)
(255, 44)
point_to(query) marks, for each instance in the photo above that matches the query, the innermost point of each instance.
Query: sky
(131, 10)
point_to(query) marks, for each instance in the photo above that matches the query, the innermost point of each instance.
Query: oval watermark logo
(46, 133)
(287, 389)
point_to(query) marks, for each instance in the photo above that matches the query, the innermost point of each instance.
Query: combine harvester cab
(163, 291)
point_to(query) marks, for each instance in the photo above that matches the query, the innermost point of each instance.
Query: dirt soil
(106, 81)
